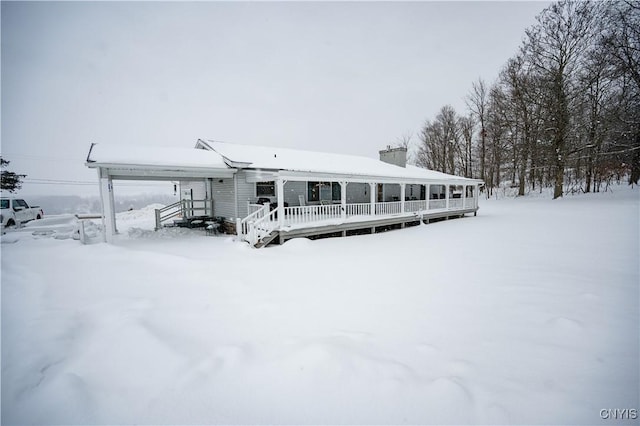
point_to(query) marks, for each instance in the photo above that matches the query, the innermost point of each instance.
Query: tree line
(564, 111)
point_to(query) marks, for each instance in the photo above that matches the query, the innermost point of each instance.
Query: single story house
(263, 193)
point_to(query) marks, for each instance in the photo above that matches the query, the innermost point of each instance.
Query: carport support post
(108, 210)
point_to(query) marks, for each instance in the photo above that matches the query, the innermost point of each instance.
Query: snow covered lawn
(528, 313)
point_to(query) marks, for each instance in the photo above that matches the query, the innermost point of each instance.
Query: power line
(35, 181)
(41, 157)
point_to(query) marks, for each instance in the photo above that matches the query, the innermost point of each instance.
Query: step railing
(167, 212)
(261, 227)
(244, 226)
(185, 209)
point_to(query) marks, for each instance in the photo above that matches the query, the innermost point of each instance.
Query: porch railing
(415, 206)
(304, 214)
(262, 220)
(358, 209)
(392, 207)
(437, 204)
(469, 203)
(455, 203)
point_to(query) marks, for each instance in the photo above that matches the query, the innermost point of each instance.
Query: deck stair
(267, 239)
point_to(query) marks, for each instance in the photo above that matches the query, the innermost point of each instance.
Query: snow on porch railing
(305, 214)
(358, 209)
(392, 207)
(469, 203)
(415, 206)
(437, 204)
(455, 203)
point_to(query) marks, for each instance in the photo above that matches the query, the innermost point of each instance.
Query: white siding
(246, 193)
(223, 198)
(196, 187)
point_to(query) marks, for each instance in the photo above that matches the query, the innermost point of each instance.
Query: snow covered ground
(528, 313)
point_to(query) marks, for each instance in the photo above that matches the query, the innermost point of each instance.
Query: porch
(264, 224)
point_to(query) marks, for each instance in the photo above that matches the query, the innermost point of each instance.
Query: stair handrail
(262, 227)
(244, 226)
(173, 209)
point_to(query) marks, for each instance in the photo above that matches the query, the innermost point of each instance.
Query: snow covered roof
(262, 157)
(155, 157)
(223, 158)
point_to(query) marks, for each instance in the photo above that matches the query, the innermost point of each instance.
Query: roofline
(295, 175)
(166, 167)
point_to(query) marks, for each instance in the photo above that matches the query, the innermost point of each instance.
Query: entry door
(380, 193)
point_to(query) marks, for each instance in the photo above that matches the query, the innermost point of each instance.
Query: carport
(114, 162)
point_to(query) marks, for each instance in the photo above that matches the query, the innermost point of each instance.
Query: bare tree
(440, 142)
(477, 102)
(554, 47)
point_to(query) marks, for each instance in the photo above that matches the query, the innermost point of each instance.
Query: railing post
(280, 195)
(343, 199)
(372, 198)
(239, 227)
(446, 196)
(464, 196)
(157, 219)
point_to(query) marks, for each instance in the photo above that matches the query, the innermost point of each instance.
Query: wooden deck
(263, 225)
(371, 223)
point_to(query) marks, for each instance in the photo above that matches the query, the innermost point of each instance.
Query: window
(336, 191)
(20, 203)
(265, 189)
(469, 193)
(323, 191)
(5, 204)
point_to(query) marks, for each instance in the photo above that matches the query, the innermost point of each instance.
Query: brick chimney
(395, 156)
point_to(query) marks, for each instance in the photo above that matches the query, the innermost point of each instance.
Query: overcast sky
(339, 77)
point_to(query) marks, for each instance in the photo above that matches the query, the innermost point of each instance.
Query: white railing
(469, 203)
(455, 203)
(393, 207)
(262, 227)
(305, 214)
(262, 221)
(244, 226)
(358, 209)
(252, 208)
(437, 204)
(415, 206)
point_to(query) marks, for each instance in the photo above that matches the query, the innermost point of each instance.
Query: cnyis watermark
(619, 413)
